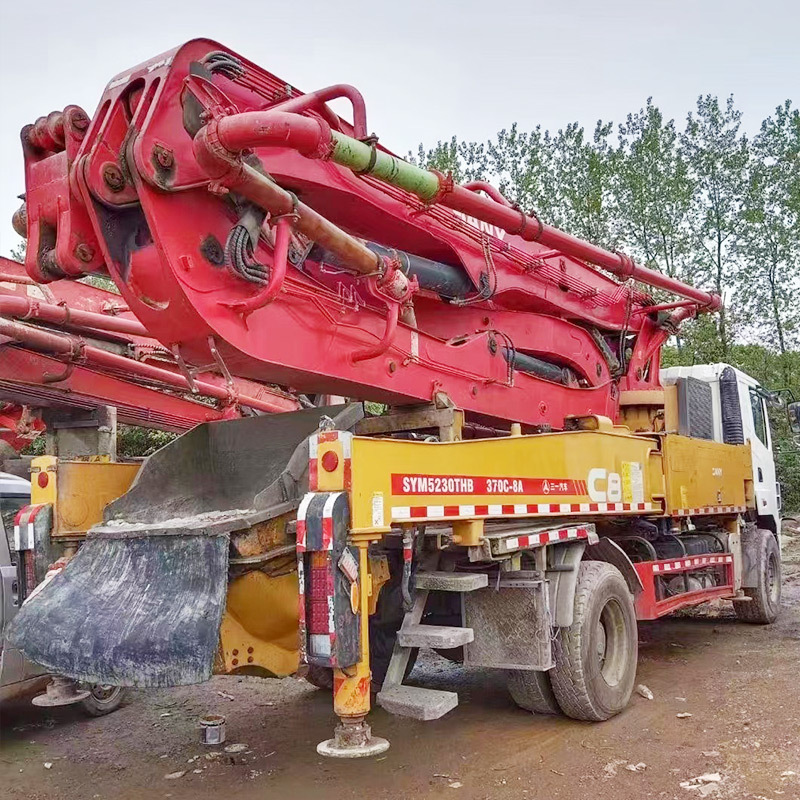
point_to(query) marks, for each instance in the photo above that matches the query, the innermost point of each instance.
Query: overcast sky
(428, 70)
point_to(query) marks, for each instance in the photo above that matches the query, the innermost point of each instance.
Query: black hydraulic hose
(542, 369)
(448, 281)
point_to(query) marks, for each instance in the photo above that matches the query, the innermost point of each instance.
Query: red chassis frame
(648, 603)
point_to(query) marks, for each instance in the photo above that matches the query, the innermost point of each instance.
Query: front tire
(765, 602)
(596, 656)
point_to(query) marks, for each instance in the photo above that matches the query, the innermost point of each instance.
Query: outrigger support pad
(353, 739)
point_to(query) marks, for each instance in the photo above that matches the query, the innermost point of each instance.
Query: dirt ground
(739, 683)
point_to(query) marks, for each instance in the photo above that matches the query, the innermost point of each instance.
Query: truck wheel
(765, 604)
(596, 656)
(531, 689)
(103, 699)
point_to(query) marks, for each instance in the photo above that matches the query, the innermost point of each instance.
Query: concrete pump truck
(534, 485)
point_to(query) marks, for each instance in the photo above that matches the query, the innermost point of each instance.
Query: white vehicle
(739, 415)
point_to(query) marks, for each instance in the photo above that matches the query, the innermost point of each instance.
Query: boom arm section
(231, 208)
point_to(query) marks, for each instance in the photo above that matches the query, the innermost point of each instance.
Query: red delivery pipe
(485, 186)
(313, 138)
(75, 347)
(311, 100)
(220, 162)
(24, 308)
(532, 229)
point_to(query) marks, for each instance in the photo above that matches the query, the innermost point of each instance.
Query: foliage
(699, 201)
(136, 442)
(132, 442)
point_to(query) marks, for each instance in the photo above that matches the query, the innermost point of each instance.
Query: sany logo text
(492, 230)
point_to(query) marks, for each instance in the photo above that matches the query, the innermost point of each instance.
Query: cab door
(756, 430)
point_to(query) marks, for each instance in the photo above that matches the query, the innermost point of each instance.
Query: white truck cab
(752, 411)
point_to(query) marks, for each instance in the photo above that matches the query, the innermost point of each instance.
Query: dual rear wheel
(595, 657)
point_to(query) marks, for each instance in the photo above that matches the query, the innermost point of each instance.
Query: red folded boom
(246, 224)
(69, 345)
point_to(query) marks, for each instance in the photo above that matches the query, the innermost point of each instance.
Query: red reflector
(43, 479)
(330, 461)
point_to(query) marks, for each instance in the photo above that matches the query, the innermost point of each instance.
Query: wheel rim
(105, 693)
(773, 579)
(611, 643)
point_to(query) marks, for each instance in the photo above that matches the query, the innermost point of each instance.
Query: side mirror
(793, 411)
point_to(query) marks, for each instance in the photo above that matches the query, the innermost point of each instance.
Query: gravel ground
(739, 683)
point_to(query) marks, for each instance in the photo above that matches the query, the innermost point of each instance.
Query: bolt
(235, 652)
(164, 157)
(113, 177)
(83, 252)
(392, 366)
(492, 345)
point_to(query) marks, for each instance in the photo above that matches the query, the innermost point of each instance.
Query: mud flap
(141, 611)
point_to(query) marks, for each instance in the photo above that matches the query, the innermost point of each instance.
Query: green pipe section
(359, 157)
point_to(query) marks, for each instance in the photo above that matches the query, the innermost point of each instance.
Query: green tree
(521, 162)
(717, 155)
(582, 185)
(18, 251)
(654, 192)
(769, 277)
(465, 161)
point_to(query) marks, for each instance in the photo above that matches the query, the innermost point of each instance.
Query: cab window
(759, 417)
(10, 504)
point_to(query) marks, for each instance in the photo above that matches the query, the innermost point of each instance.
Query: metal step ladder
(414, 701)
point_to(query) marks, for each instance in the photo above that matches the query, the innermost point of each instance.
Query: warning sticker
(377, 511)
(632, 482)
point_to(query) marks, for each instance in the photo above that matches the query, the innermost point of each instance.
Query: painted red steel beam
(75, 348)
(648, 606)
(40, 380)
(25, 308)
(312, 138)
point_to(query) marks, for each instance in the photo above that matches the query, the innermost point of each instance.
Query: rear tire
(765, 604)
(596, 656)
(532, 690)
